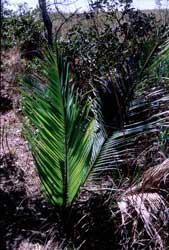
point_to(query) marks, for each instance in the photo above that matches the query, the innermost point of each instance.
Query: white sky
(82, 4)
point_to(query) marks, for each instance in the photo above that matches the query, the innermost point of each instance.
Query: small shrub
(24, 28)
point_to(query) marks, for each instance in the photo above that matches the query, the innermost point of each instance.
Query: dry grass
(144, 211)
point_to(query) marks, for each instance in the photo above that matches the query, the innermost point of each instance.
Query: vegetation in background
(22, 28)
(131, 36)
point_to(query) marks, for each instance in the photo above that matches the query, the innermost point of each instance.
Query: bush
(24, 28)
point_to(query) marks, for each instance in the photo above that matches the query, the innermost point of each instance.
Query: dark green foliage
(164, 142)
(111, 53)
(22, 28)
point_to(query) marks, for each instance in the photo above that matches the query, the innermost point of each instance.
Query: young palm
(67, 143)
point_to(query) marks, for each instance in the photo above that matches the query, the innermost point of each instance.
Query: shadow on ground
(88, 225)
(23, 217)
(5, 104)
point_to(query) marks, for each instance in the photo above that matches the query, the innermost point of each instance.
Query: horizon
(82, 5)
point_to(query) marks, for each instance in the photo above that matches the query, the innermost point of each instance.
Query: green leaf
(61, 134)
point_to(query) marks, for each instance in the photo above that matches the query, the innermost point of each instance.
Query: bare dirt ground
(12, 141)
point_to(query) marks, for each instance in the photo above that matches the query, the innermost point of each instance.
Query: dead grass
(144, 210)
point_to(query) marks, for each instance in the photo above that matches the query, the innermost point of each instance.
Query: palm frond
(147, 116)
(162, 55)
(62, 136)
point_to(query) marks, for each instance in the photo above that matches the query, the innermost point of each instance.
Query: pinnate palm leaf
(62, 135)
(147, 116)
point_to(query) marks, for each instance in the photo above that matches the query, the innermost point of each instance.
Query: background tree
(47, 21)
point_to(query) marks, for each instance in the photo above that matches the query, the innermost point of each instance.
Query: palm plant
(68, 141)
